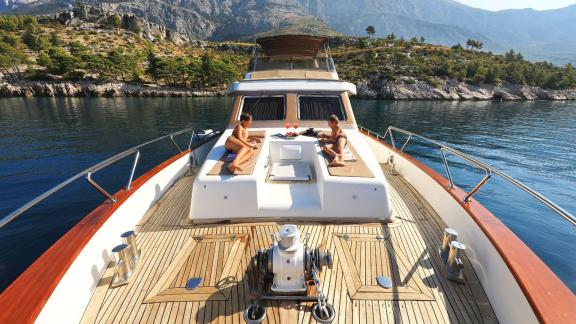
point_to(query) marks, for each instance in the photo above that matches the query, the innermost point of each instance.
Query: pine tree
(370, 30)
(31, 39)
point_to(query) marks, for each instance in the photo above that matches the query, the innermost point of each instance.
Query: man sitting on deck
(336, 142)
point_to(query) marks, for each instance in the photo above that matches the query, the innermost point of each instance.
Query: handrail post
(447, 168)
(392, 138)
(385, 134)
(406, 143)
(479, 185)
(99, 188)
(136, 158)
(191, 139)
(175, 144)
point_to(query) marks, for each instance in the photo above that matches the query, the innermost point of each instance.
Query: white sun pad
(291, 171)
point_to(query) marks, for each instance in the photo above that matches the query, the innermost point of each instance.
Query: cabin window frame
(344, 114)
(283, 96)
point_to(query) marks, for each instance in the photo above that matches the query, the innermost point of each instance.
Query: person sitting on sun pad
(240, 144)
(337, 140)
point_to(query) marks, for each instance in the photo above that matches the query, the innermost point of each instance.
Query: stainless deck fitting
(454, 265)
(193, 283)
(129, 238)
(449, 236)
(384, 282)
(392, 165)
(325, 316)
(124, 265)
(254, 314)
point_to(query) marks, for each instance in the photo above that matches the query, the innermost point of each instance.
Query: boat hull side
(521, 288)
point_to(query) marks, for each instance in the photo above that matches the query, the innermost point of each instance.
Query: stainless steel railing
(489, 170)
(135, 151)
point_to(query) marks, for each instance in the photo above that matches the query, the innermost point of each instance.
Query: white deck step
(286, 196)
(291, 171)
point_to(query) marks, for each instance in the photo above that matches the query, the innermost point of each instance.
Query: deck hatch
(357, 252)
(223, 252)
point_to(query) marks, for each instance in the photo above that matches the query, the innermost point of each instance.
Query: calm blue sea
(43, 141)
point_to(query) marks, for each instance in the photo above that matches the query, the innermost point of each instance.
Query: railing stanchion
(191, 139)
(392, 139)
(136, 158)
(406, 143)
(99, 188)
(447, 168)
(478, 186)
(175, 144)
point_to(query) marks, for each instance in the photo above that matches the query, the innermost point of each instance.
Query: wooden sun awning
(292, 45)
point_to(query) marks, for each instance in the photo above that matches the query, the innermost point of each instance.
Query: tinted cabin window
(320, 108)
(265, 108)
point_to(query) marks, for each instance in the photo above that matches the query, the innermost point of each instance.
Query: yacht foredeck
(173, 251)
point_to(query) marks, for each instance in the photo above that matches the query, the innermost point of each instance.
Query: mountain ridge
(539, 35)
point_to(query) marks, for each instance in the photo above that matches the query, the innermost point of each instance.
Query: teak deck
(220, 254)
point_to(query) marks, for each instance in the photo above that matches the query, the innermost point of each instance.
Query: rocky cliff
(412, 89)
(109, 89)
(95, 17)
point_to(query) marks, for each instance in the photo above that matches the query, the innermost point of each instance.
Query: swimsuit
(339, 136)
(342, 136)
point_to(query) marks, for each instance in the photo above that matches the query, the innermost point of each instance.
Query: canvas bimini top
(292, 45)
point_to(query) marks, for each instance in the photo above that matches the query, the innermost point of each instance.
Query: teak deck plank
(422, 294)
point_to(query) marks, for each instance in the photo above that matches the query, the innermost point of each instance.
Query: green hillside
(33, 51)
(393, 58)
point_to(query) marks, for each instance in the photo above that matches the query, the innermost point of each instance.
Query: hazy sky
(518, 4)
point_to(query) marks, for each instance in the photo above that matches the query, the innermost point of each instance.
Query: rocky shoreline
(412, 89)
(108, 89)
(404, 89)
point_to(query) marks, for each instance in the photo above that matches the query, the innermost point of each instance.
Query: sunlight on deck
(172, 252)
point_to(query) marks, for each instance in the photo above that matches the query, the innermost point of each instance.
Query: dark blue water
(43, 141)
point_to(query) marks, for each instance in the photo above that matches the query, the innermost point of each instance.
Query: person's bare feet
(239, 168)
(337, 163)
